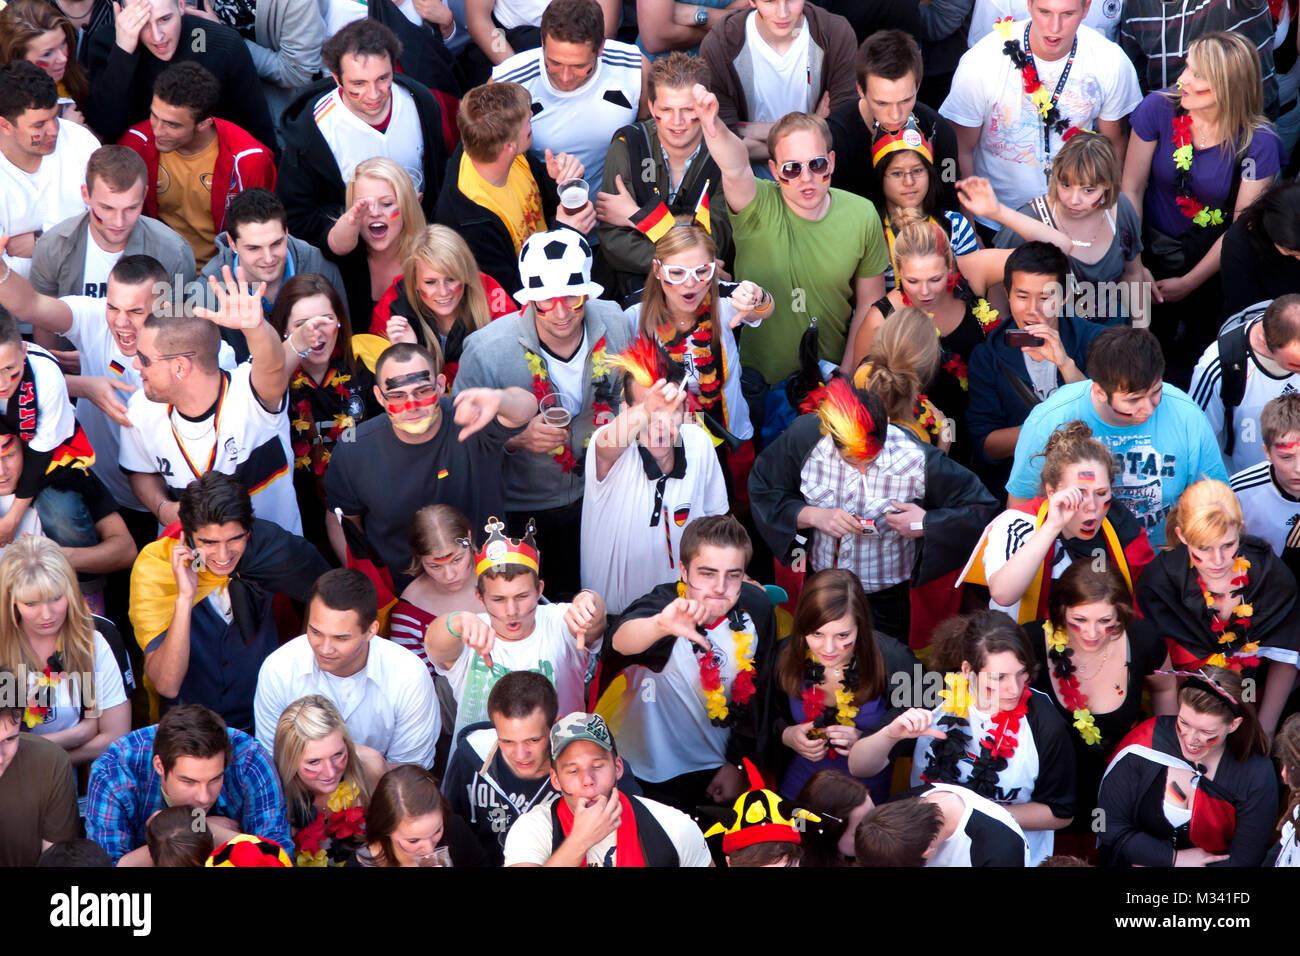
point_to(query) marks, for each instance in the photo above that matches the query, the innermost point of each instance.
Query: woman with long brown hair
(841, 801)
(683, 309)
(410, 823)
(830, 685)
(1195, 788)
(35, 31)
(442, 563)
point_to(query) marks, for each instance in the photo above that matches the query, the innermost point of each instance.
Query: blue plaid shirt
(125, 791)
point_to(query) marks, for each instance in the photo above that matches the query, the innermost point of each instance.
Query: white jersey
(55, 422)
(1263, 384)
(352, 140)
(1269, 511)
(632, 524)
(34, 202)
(241, 438)
(1103, 16)
(581, 121)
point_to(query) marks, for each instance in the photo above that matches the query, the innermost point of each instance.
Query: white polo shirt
(389, 704)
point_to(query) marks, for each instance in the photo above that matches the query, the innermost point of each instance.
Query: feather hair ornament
(846, 420)
(641, 360)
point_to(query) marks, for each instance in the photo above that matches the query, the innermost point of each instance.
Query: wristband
(301, 354)
(452, 631)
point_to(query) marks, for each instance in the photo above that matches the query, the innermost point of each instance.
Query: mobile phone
(868, 526)
(1019, 339)
(63, 103)
(197, 562)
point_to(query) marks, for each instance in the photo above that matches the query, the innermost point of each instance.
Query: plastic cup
(574, 195)
(556, 410)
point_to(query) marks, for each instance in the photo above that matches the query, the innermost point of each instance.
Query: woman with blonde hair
(684, 310)
(1084, 214)
(1222, 597)
(1198, 156)
(75, 693)
(371, 241)
(35, 31)
(440, 297)
(901, 364)
(323, 775)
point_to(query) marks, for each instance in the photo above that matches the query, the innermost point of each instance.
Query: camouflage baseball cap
(580, 726)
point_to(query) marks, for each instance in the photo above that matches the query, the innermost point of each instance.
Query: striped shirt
(885, 558)
(1270, 512)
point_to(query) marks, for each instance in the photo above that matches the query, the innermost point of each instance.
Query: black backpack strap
(1232, 378)
(638, 151)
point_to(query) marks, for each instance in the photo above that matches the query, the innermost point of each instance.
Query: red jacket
(242, 162)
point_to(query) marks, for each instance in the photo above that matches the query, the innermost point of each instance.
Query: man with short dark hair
(945, 826)
(656, 171)
(583, 87)
(889, 76)
(364, 109)
(419, 443)
(37, 787)
(1162, 441)
(76, 256)
(197, 163)
(383, 691)
(775, 57)
(127, 53)
(685, 740)
(201, 597)
(42, 160)
(1270, 367)
(191, 417)
(189, 757)
(501, 767)
(1008, 380)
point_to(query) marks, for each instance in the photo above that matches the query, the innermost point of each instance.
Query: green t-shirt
(809, 268)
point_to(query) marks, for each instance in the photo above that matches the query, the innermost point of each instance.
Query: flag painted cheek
(397, 408)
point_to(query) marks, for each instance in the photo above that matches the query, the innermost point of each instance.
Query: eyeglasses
(818, 166)
(146, 361)
(900, 175)
(678, 275)
(550, 305)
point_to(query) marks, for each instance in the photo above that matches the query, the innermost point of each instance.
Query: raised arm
(489, 38)
(978, 197)
(240, 308)
(167, 664)
(18, 296)
(727, 150)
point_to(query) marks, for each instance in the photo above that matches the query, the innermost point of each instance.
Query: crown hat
(909, 138)
(499, 551)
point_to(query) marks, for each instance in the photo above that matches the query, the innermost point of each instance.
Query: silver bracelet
(302, 355)
(7, 271)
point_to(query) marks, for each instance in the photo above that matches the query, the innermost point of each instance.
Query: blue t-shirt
(1153, 121)
(1157, 459)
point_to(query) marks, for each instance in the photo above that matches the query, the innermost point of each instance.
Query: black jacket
(121, 83)
(481, 228)
(310, 184)
(425, 57)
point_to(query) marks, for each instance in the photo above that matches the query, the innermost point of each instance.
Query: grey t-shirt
(1126, 244)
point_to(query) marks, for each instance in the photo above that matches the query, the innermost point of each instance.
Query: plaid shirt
(827, 481)
(125, 791)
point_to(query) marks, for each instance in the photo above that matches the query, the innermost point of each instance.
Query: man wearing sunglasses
(820, 252)
(556, 345)
(416, 457)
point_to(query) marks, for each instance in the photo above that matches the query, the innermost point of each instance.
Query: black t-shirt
(852, 142)
(386, 481)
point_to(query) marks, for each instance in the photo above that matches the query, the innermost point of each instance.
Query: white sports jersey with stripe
(1270, 512)
(582, 121)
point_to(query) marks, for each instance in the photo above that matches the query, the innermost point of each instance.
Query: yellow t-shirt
(518, 203)
(185, 198)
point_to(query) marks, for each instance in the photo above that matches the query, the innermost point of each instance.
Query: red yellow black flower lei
(814, 702)
(1236, 649)
(601, 412)
(996, 749)
(1063, 669)
(1188, 204)
(745, 641)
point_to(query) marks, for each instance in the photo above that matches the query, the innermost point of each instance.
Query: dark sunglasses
(146, 361)
(818, 166)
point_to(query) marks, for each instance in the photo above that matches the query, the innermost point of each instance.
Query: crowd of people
(573, 433)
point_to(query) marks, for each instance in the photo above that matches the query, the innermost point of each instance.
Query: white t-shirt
(628, 545)
(1270, 513)
(66, 712)
(243, 439)
(1265, 381)
(353, 140)
(662, 719)
(567, 376)
(1103, 16)
(531, 837)
(519, 13)
(987, 93)
(28, 524)
(581, 121)
(955, 851)
(782, 82)
(55, 422)
(551, 650)
(39, 200)
(94, 277)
